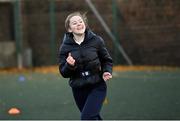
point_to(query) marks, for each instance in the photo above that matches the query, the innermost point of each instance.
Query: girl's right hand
(70, 60)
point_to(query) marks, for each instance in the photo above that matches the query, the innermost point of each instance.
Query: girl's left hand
(107, 76)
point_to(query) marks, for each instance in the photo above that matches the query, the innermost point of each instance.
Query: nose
(79, 24)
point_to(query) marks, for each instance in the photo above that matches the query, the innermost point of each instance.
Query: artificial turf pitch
(136, 95)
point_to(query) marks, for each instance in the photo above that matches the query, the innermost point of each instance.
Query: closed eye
(74, 23)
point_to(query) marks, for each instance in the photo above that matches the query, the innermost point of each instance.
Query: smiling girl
(84, 59)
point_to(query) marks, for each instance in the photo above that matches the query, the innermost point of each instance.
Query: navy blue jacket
(90, 56)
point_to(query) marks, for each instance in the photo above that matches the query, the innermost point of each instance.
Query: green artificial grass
(131, 95)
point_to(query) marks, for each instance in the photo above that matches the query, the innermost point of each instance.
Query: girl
(84, 59)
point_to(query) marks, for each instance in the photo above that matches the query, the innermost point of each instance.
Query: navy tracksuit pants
(90, 99)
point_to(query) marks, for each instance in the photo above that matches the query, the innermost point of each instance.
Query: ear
(69, 30)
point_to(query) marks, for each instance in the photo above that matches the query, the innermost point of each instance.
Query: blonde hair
(83, 16)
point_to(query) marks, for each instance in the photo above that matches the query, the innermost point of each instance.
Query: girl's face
(77, 25)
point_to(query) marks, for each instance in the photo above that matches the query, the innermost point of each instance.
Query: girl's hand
(70, 60)
(107, 76)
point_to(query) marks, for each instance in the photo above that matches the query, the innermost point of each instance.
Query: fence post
(53, 31)
(18, 32)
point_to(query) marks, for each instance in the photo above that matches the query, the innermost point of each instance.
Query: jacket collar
(68, 37)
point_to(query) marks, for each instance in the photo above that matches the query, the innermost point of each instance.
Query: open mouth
(80, 28)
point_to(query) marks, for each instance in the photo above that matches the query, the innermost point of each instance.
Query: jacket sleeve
(104, 56)
(65, 69)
